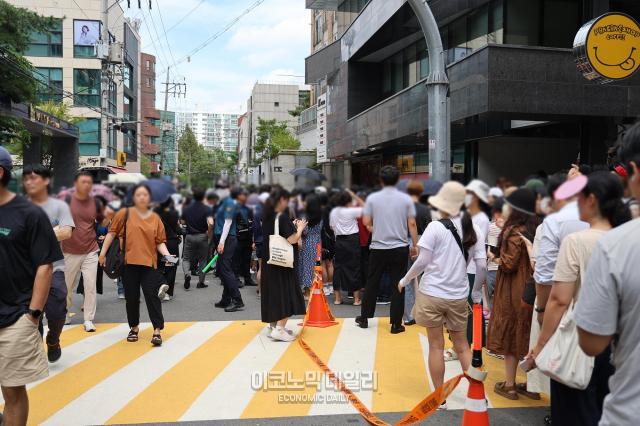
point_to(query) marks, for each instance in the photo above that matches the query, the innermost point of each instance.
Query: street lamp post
(437, 89)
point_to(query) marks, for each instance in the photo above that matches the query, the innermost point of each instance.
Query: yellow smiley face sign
(608, 48)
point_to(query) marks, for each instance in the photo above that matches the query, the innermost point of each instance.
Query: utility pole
(269, 158)
(175, 89)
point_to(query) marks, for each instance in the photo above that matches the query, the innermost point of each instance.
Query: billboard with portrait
(86, 33)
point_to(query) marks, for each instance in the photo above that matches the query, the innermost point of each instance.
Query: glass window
(113, 98)
(562, 19)
(131, 145)
(410, 66)
(84, 51)
(46, 44)
(423, 58)
(112, 144)
(523, 22)
(86, 87)
(127, 76)
(148, 65)
(50, 87)
(127, 109)
(497, 22)
(89, 140)
(478, 28)
(422, 162)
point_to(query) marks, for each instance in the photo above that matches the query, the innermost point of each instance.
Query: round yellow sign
(611, 45)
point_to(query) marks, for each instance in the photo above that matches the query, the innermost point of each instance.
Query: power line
(165, 35)
(153, 43)
(184, 17)
(83, 12)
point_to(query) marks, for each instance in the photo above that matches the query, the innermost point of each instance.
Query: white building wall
(212, 130)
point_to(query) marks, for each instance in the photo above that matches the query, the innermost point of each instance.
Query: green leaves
(273, 137)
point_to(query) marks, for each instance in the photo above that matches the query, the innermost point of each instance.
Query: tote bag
(562, 359)
(280, 251)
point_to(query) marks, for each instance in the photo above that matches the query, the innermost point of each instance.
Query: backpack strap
(451, 227)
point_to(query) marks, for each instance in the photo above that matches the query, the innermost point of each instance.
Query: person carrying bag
(280, 251)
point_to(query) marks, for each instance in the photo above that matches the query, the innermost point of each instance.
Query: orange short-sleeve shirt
(143, 237)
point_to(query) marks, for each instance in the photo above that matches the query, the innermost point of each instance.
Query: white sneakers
(164, 288)
(282, 334)
(89, 327)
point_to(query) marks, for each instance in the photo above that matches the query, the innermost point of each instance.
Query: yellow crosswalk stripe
(169, 397)
(56, 392)
(295, 363)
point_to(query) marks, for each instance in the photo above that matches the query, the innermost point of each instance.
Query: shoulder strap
(451, 227)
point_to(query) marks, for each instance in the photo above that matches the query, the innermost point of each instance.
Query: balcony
(151, 113)
(323, 4)
(307, 120)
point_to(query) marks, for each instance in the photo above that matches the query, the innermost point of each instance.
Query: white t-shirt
(480, 221)
(446, 275)
(344, 220)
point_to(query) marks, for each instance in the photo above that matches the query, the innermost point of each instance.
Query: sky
(268, 44)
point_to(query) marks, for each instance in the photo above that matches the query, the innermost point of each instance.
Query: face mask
(468, 199)
(506, 211)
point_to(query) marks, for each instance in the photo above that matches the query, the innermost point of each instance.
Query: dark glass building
(517, 101)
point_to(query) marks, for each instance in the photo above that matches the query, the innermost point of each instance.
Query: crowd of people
(556, 251)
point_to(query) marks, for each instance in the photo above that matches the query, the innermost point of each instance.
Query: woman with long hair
(281, 295)
(308, 244)
(510, 324)
(346, 266)
(171, 221)
(445, 250)
(145, 237)
(600, 204)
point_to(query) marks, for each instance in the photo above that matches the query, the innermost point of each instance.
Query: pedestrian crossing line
(138, 375)
(402, 376)
(171, 395)
(354, 352)
(230, 392)
(295, 364)
(56, 392)
(76, 333)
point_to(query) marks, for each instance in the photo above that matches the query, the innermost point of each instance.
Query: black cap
(523, 200)
(6, 162)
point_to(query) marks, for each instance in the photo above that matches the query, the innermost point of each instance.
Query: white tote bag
(280, 250)
(562, 359)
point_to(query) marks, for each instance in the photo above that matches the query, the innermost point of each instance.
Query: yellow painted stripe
(169, 397)
(58, 391)
(76, 334)
(295, 363)
(402, 376)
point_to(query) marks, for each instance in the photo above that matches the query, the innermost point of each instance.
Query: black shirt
(423, 217)
(27, 241)
(196, 217)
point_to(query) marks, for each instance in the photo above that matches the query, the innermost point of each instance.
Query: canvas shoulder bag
(280, 250)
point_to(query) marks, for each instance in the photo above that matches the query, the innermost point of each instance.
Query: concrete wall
(288, 160)
(517, 158)
(308, 140)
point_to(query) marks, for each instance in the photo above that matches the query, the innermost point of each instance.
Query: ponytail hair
(277, 193)
(469, 237)
(608, 191)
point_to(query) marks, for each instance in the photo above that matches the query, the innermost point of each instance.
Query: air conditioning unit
(102, 50)
(116, 53)
(103, 152)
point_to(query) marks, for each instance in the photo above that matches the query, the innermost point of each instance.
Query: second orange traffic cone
(475, 408)
(319, 314)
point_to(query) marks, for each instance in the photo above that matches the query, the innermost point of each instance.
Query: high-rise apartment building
(212, 130)
(89, 60)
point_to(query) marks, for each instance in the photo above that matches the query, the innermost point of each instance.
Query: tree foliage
(273, 137)
(305, 103)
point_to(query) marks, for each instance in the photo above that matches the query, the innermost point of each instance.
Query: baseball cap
(6, 162)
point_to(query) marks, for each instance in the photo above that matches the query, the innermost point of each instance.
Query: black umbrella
(308, 173)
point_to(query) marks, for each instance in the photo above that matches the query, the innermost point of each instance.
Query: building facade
(151, 134)
(89, 60)
(515, 92)
(212, 130)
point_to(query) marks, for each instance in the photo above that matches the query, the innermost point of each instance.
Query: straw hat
(479, 188)
(450, 198)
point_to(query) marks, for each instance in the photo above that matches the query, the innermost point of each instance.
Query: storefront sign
(277, 169)
(322, 129)
(44, 118)
(122, 159)
(457, 168)
(607, 48)
(89, 162)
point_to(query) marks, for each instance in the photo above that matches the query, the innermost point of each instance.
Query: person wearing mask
(281, 295)
(415, 189)
(446, 248)
(81, 249)
(36, 179)
(196, 243)
(145, 237)
(173, 232)
(609, 304)
(393, 218)
(242, 255)
(28, 250)
(226, 243)
(309, 242)
(346, 266)
(508, 333)
(600, 205)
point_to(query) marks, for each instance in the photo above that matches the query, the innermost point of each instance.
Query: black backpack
(115, 257)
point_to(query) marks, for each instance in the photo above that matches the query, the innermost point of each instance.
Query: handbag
(115, 257)
(280, 250)
(562, 359)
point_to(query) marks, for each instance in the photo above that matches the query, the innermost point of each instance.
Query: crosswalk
(231, 369)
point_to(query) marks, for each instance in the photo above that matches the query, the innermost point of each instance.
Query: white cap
(479, 188)
(263, 197)
(496, 192)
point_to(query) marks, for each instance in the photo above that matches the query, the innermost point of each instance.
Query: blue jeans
(120, 287)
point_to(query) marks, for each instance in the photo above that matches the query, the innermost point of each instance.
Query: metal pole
(164, 123)
(269, 159)
(437, 89)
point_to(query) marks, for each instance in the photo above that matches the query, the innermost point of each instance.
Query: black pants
(231, 292)
(394, 262)
(56, 308)
(242, 260)
(169, 272)
(149, 279)
(582, 407)
(364, 266)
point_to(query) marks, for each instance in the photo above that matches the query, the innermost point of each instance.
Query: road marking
(230, 392)
(355, 352)
(169, 397)
(138, 375)
(295, 364)
(56, 392)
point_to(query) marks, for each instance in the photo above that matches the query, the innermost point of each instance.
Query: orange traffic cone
(318, 312)
(475, 408)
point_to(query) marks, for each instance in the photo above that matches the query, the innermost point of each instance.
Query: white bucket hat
(479, 188)
(450, 198)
